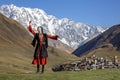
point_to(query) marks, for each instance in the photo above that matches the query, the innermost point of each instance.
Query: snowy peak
(70, 32)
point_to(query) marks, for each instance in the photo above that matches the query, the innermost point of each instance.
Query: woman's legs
(38, 68)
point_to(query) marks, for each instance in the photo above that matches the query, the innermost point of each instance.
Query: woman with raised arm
(40, 54)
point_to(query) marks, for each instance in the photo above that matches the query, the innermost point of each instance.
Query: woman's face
(39, 30)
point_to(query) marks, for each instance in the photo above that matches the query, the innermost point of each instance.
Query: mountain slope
(70, 32)
(16, 53)
(107, 43)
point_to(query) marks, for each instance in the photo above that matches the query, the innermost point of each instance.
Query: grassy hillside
(106, 74)
(16, 52)
(104, 52)
(14, 60)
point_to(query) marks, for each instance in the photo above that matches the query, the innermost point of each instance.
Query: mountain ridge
(108, 41)
(70, 32)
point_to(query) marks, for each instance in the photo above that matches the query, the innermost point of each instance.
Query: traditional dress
(40, 54)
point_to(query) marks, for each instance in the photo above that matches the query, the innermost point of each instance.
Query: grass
(16, 59)
(106, 74)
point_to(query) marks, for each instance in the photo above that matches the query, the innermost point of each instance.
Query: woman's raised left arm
(55, 37)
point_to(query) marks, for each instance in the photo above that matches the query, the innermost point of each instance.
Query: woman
(40, 54)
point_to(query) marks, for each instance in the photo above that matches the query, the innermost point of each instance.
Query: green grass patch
(106, 74)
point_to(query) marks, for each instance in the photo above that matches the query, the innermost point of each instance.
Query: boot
(38, 69)
(42, 69)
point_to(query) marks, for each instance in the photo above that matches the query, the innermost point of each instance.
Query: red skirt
(39, 60)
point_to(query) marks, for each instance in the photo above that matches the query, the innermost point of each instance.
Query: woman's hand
(30, 22)
(57, 36)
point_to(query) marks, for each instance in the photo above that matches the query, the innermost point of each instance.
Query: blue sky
(93, 12)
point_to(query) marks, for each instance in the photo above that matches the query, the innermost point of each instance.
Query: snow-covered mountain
(70, 32)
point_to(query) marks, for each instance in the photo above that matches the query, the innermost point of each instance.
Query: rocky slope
(107, 44)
